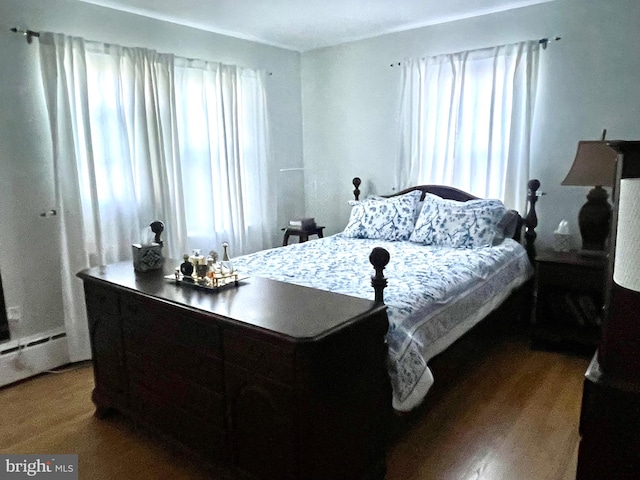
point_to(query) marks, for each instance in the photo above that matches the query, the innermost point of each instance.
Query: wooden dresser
(272, 379)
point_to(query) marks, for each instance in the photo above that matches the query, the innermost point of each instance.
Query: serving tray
(214, 283)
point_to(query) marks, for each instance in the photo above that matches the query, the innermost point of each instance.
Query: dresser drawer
(197, 366)
(259, 356)
(571, 276)
(176, 390)
(171, 325)
(188, 429)
(101, 300)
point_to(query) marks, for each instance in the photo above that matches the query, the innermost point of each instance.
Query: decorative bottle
(226, 265)
(194, 258)
(186, 267)
(212, 261)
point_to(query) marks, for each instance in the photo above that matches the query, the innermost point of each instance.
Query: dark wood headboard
(442, 191)
(529, 222)
(450, 193)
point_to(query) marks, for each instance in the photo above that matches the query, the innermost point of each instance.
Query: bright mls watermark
(51, 467)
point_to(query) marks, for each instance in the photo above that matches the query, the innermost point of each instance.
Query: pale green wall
(28, 243)
(588, 81)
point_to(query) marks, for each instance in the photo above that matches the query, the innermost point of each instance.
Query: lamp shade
(595, 164)
(626, 272)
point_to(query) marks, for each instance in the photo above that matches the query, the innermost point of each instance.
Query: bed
(279, 380)
(450, 260)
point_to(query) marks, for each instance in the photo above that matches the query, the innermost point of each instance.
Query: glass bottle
(202, 269)
(226, 265)
(195, 257)
(186, 267)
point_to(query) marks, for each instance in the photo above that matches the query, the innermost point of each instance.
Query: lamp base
(594, 220)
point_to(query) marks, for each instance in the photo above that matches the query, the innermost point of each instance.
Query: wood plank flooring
(511, 415)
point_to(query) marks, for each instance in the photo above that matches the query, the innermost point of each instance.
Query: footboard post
(379, 258)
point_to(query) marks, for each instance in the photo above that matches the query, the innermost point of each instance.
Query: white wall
(347, 119)
(588, 81)
(28, 243)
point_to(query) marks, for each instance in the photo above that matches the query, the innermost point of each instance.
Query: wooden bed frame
(379, 257)
(283, 389)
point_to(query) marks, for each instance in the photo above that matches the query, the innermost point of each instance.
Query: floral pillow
(383, 218)
(449, 223)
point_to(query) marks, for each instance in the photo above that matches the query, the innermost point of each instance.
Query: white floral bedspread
(434, 294)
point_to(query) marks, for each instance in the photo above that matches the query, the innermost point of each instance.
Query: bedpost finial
(356, 183)
(379, 258)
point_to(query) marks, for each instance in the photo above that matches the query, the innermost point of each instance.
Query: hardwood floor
(513, 414)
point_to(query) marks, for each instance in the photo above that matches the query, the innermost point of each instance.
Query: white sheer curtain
(117, 123)
(222, 116)
(466, 121)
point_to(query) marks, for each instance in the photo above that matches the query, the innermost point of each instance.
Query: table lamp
(594, 165)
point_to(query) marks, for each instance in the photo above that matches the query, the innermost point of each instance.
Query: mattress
(434, 294)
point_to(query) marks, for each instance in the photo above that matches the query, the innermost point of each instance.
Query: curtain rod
(543, 41)
(29, 34)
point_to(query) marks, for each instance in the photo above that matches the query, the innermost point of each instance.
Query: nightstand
(568, 298)
(301, 233)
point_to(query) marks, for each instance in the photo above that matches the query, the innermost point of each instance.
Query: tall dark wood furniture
(610, 415)
(276, 380)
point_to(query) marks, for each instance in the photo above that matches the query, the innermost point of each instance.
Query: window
(466, 121)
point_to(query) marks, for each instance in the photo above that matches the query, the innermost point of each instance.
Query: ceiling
(303, 25)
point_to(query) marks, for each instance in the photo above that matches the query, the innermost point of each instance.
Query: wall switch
(14, 314)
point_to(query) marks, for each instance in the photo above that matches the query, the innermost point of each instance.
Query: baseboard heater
(28, 356)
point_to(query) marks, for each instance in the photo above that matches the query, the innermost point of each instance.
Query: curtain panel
(223, 139)
(131, 145)
(466, 121)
